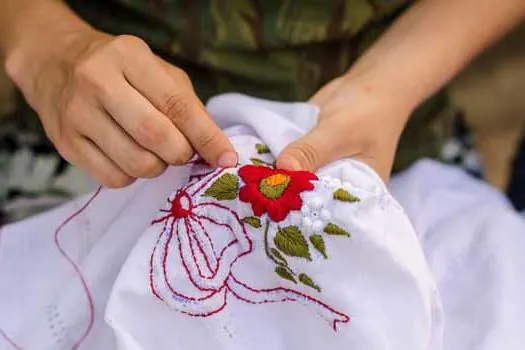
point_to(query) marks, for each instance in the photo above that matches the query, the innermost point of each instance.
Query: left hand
(357, 121)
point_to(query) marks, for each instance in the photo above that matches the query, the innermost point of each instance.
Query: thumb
(310, 152)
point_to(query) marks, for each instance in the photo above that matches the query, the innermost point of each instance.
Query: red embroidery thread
(209, 271)
(91, 309)
(274, 191)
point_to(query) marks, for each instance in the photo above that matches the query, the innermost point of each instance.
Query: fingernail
(227, 160)
(290, 163)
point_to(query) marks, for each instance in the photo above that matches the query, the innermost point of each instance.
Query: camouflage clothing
(283, 50)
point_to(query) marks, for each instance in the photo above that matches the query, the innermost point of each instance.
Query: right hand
(115, 109)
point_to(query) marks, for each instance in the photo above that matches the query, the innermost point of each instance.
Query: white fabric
(469, 237)
(475, 245)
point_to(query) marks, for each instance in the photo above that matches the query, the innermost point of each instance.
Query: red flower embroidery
(194, 262)
(274, 191)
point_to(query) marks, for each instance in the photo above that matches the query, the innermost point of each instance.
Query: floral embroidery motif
(274, 191)
(262, 148)
(263, 151)
(207, 239)
(314, 215)
(344, 196)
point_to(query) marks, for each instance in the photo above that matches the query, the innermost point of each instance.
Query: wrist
(37, 35)
(397, 103)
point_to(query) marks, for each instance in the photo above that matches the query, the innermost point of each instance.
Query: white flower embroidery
(314, 215)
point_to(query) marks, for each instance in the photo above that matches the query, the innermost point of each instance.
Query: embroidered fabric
(255, 258)
(281, 259)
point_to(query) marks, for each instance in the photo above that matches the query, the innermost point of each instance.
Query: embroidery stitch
(345, 196)
(260, 162)
(291, 242)
(252, 221)
(307, 280)
(318, 243)
(272, 191)
(333, 229)
(284, 273)
(262, 148)
(225, 188)
(190, 235)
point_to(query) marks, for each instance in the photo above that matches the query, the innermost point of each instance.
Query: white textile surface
(167, 265)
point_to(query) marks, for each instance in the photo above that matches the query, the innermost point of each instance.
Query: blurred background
(488, 137)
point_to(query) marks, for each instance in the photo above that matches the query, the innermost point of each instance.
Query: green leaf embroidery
(279, 256)
(256, 161)
(333, 229)
(252, 221)
(306, 280)
(345, 196)
(283, 273)
(225, 188)
(318, 243)
(291, 242)
(260, 162)
(262, 148)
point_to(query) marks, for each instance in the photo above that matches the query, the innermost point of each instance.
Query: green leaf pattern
(318, 243)
(288, 240)
(224, 188)
(345, 196)
(252, 221)
(291, 242)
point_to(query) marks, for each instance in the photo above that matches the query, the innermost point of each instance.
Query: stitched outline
(229, 284)
(195, 160)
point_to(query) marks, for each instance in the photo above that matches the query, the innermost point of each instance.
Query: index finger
(171, 92)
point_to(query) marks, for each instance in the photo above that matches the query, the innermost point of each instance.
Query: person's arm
(108, 103)
(364, 112)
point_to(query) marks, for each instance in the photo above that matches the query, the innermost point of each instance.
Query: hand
(115, 109)
(355, 121)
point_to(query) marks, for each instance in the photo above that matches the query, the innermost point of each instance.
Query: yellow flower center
(274, 186)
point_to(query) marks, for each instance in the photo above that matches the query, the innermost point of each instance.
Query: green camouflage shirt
(284, 50)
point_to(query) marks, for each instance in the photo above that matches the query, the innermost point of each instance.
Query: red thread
(176, 227)
(12, 343)
(205, 183)
(346, 318)
(274, 191)
(210, 242)
(91, 308)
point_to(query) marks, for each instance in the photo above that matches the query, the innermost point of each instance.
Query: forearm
(430, 43)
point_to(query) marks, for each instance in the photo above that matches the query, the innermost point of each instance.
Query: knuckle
(151, 133)
(307, 155)
(124, 43)
(87, 78)
(182, 75)
(117, 179)
(176, 109)
(180, 157)
(144, 165)
(70, 111)
(209, 140)
(85, 69)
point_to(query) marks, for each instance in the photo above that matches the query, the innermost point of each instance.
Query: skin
(364, 112)
(118, 111)
(108, 103)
